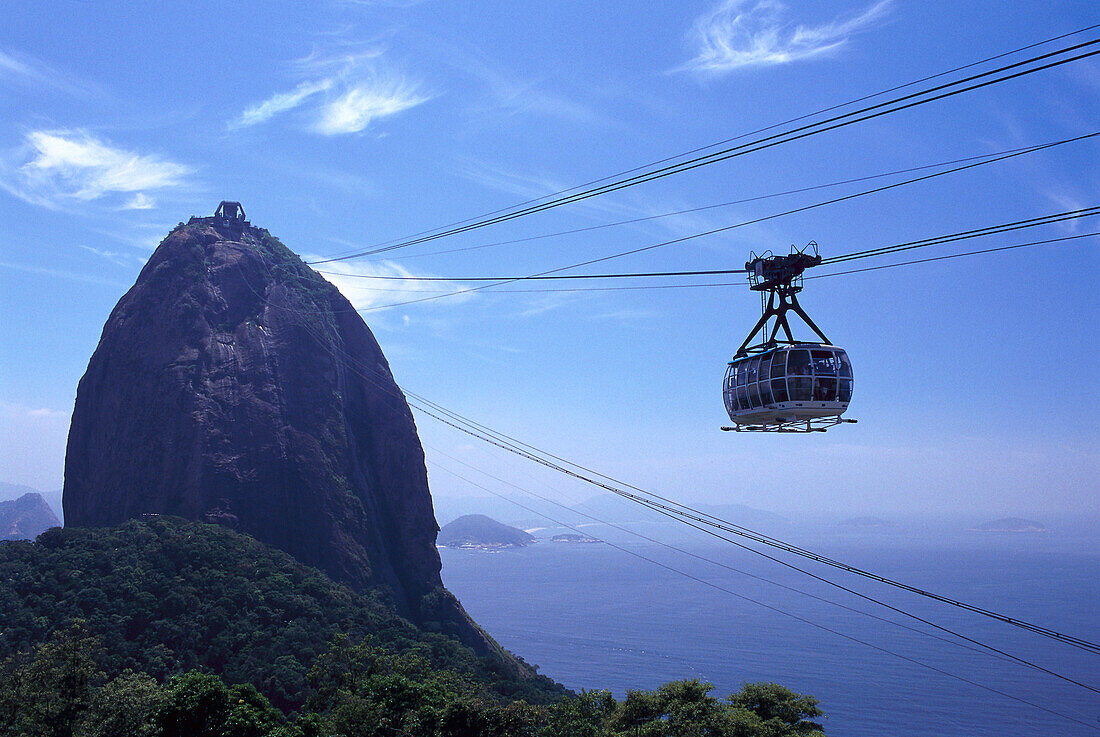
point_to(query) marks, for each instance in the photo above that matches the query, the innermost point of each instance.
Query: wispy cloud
(280, 103)
(353, 111)
(62, 274)
(54, 166)
(752, 33)
(10, 67)
(44, 412)
(127, 260)
(26, 70)
(140, 202)
(342, 93)
(383, 3)
(360, 283)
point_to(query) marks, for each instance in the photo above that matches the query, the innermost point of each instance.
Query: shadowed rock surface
(232, 384)
(26, 518)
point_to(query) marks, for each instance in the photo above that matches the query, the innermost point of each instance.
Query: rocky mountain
(26, 518)
(479, 531)
(233, 384)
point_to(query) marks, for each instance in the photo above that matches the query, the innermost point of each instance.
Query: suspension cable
(840, 121)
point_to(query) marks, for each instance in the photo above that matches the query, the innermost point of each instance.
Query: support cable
(857, 116)
(882, 251)
(783, 612)
(746, 135)
(692, 210)
(741, 224)
(796, 617)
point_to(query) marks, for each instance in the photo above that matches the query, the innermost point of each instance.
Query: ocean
(593, 616)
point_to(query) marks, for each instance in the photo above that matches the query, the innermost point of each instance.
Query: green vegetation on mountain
(164, 596)
(479, 531)
(168, 628)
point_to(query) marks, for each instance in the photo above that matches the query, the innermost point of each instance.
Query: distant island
(570, 537)
(26, 518)
(1011, 524)
(476, 531)
(867, 522)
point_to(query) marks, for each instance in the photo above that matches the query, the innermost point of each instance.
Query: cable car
(786, 385)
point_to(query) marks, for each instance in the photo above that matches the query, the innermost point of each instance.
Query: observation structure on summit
(229, 217)
(781, 384)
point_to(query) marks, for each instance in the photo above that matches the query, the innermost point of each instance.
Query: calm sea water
(591, 616)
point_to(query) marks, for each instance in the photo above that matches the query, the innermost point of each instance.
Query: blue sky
(343, 124)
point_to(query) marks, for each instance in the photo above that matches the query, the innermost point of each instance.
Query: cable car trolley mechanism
(786, 385)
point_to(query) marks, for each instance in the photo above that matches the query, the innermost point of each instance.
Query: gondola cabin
(789, 384)
(782, 384)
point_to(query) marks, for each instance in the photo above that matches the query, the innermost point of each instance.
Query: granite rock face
(232, 384)
(26, 518)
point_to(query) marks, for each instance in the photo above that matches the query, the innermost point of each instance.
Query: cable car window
(742, 397)
(845, 364)
(799, 387)
(740, 371)
(754, 364)
(798, 363)
(754, 395)
(765, 391)
(825, 363)
(765, 366)
(779, 390)
(845, 390)
(824, 390)
(779, 364)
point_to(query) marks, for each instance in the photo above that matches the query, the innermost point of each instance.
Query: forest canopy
(165, 628)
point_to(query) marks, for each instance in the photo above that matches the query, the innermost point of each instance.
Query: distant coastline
(1011, 524)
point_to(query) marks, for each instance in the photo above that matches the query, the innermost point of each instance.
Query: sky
(343, 124)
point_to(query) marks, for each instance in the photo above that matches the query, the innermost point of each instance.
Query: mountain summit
(232, 384)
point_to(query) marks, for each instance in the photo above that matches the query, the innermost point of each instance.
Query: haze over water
(591, 616)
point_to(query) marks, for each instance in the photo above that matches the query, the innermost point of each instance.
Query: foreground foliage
(164, 628)
(60, 690)
(165, 596)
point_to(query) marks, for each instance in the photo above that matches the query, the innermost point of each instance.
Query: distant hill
(447, 509)
(1011, 524)
(867, 522)
(14, 491)
(26, 518)
(479, 531)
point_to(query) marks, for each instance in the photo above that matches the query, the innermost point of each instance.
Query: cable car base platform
(820, 424)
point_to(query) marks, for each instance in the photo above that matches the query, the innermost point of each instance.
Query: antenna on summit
(229, 217)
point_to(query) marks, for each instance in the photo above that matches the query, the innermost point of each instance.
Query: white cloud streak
(353, 111)
(72, 165)
(28, 71)
(280, 103)
(140, 202)
(354, 282)
(12, 67)
(738, 34)
(344, 94)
